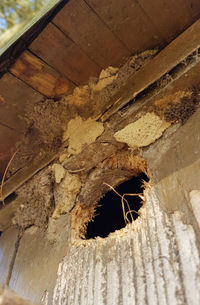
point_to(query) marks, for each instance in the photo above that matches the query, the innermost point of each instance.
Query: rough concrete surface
(7, 249)
(175, 168)
(195, 204)
(144, 263)
(34, 271)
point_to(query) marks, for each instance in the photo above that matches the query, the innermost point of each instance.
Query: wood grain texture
(153, 261)
(16, 97)
(86, 29)
(40, 76)
(129, 23)
(64, 55)
(171, 17)
(168, 58)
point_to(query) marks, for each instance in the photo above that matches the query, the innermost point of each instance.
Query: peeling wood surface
(162, 63)
(39, 76)
(145, 263)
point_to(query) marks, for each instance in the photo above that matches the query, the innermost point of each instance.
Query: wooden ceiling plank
(64, 55)
(162, 63)
(40, 76)
(171, 17)
(16, 97)
(129, 23)
(79, 22)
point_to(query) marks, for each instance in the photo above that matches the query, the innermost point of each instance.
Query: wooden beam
(167, 59)
(38, 75)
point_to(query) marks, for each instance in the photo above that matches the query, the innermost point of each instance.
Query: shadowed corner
(109, 212)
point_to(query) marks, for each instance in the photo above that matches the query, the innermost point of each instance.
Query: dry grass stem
(4, 176)
(123, 201)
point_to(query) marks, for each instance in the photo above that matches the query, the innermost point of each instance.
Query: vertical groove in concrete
(12, 262)
(8, 249)
(153, 261)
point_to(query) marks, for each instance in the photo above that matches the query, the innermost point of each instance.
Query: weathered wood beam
(166, 60)
(38, 75)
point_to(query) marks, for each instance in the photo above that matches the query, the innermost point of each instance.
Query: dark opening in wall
(9, 198)
(109, 215)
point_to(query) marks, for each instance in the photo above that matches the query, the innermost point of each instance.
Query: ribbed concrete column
(153, 261)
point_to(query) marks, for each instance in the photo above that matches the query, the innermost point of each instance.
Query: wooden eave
(75, 42)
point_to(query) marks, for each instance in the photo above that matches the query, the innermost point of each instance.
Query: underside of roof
(69, 47)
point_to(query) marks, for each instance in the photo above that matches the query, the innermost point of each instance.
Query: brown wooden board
(64, 55)
(85, 28)
(15, 96)
(173, 16)
(168, 58)
(129, 23)
(40, 76)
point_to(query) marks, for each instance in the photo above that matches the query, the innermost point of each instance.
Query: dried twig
(124, 200)
(4, 176)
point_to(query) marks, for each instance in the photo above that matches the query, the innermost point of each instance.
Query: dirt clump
(93, 98)
(43, 135)
(37, 202)
(180, 112)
